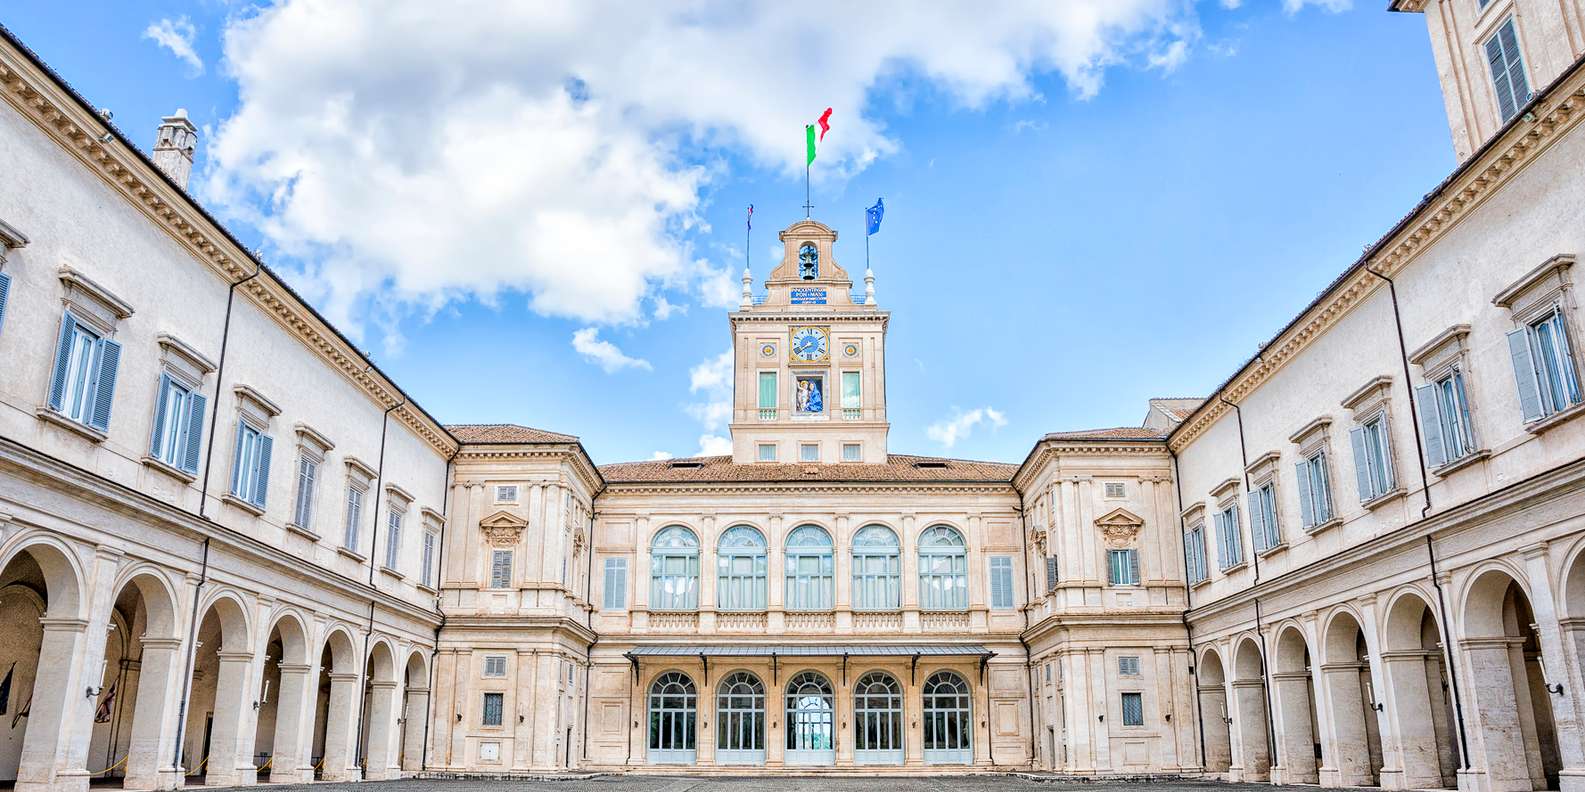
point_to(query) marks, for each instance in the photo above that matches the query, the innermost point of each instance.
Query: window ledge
(1460, 463)
(242, 504)
(1319, 527)
(301, 531)
(1272, 550)
(1384, 498)
(352, 554)
(168, 469)
(1561, 416)
(1234, 568)
(93, 435)
(389, 572)
(427, 589)
(1201, 583)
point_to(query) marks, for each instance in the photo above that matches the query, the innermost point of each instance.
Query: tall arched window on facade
(948, 722)
(810, 735)
(810, 585)
(673, 707)
(740, 570)
(878, 719)
(943, 570)
(674, 570)
(877, 569)
(740, 720)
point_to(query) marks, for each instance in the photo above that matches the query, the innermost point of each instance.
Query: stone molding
(503, 529)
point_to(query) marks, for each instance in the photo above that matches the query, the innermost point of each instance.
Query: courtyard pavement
(641, 783)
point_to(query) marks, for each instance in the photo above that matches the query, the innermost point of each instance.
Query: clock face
(809, 344)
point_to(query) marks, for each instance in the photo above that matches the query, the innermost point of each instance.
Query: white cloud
(1332, 6)
(712, 379)
(177, 36)
(714, 445)
(604, 353)
(562, 150)
(659, 455)
(962, 424)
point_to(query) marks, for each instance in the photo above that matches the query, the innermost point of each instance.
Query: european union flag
(872, 216)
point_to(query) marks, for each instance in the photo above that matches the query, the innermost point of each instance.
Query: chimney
(174, 144)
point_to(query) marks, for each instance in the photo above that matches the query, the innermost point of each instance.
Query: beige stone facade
(232, 550)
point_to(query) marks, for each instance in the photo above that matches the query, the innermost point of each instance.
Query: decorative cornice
(1047, 450)
(38, 97)
(809, 487)
(1469, 187)
(582, 465)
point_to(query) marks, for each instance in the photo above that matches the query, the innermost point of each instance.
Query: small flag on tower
(751, 216)
(872, 217)
(809, 144)
(825, 124)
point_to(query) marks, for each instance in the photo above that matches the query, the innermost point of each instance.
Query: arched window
(878, 719)
(740, 570)
(948, 721)
(810, 585)
(877, 569)
(943, 570)
(674, 570)
(672, 708)
(740, 720)
(809, 730)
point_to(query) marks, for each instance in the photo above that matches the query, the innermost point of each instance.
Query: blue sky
(536, 217)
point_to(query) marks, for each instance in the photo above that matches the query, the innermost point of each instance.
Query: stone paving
(641, 783)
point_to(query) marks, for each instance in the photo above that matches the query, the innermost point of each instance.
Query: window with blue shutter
(501, 569)
(83, 384)
(1194, 553)
(250, 469)
(615, 583)
(354, 515)
(1315, 490)
(1229, 541)
(431, 542)
(1372, 460)
(1444, 419)
(1052, 577)
(1507, 70)
(1543, 367)
(393, 536)
(5, 291)
(1122, 567)
(1001, 582)
(178, 425)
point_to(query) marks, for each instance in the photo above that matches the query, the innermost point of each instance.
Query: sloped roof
(506, 433)
(898, 467)
(1112, 433)
(1177, 407)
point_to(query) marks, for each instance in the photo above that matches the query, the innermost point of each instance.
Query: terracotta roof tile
(1113, 433)
(898, 467)
(1178, 407)
(505, 433)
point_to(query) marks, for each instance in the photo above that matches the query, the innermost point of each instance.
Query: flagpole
(807, 207)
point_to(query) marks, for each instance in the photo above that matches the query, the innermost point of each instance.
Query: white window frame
(494, 666)
(429, 554)
(177, 436)
(1122, 566)
(810, 569)
(1315, 490)
(943, 569)
(766, 452)
(500, 573)
(250, 462)
(852, 409)
(1115, 490)
(1194, 544)
(808, 452)
(767, 399)
(1128, 665)
(1229, 537)
(352, 514)
(852, 452)
(1000, 575)
(506, 493)
(742, 570)
(674, 570)
(614, 588)
(1264, 520)
(492, 717)
(1374, 471)
(1137, 698)
(877, 569)
(82, 383)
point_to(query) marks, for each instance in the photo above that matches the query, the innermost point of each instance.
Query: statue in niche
(808, 261)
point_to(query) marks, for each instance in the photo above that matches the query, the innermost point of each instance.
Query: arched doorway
(810, 728)
(673, 712)
(948, 719)
(1422, 704)
(878, 719)
(212, 745)
(1356, 758)
(131, 737)
(415, 711)
(279, 736)
(1513, 710)
(740, 720)
(40, 616)
(1214, 713)
(334, 707)
(379, 714)
(1295, 705)
(1249, 708)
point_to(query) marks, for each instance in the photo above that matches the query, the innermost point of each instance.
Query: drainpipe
(1254, 558)
(1194, 666)
(1029, 598)
(192, 656)
(374, 546)
(440, 564)
(588, 665)
(1414, 410)
(214, 414)
(1447, 652)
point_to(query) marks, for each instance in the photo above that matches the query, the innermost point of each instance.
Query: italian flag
(810, 138)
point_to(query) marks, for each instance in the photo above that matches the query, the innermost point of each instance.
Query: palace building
(234, 551)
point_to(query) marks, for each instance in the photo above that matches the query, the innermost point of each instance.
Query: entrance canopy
(777, 651)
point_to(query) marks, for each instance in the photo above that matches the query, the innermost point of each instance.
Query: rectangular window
(431, 543)
(852, 452)
(1122, 567)
(1002, 582)
(307, 476)
(852, 404)
(1051, 573)
(1229, 540)
(1444, 419)
(501, 569)
(1263, 517)
(767, 452)
(1133, 709)
(393, 536)
(809, 452)
(767, 395)
(615, 583)
(1372, 458)
(1507, 70)
(354, 517)
(506, 493)
(5, 291)
(495, 665)
(84, 381)
(1315, 491)
(1543, 365)
(178, 425)
(1115, 489)
(250, 469)
(1128, 665)
(1194, 550)
(493, 704)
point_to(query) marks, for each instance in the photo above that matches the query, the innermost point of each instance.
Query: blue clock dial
(809, 343)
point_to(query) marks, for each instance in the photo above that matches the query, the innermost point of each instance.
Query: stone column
(447, 705)
(842, 597)
(57, 697)
(525, 708)
(909, 550)
(1295, 738)
(546, 715)
(1414, 729)
(913, 717)
(1218, 736)
(294, 707)
(380, 761)
(776, 586)
(1556, 665)
(1347, 753)
(153, 739)
(1082, 722)
(1253, 760)
(230, 760)
(704, 734)
(707, 575)
(413, 716)
(1497, 743)
(341, 722)
(1100, 692)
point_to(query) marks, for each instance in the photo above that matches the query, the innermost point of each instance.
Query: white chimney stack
(174, 145)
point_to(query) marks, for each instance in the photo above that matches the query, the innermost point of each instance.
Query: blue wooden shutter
(5, 291)
(104, 384)
(1524, 374)
(1367, 486)
(1516, 76)
(1306, 503)
(261, 475)
(1431, 424)
(1389, 477)
(1221, 541)
(160, 417)
(1499, 77)
(1051, 572)
(63, 361)
(1257, 521)
(195, 432)
(1133, 566)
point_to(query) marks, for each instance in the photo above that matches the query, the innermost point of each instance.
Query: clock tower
(810, 375)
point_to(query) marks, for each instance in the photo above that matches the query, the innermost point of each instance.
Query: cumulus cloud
(562, 151)
(711, 381)
(962, 424)
(1332, 6)
(177, 35)
(603, 353)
